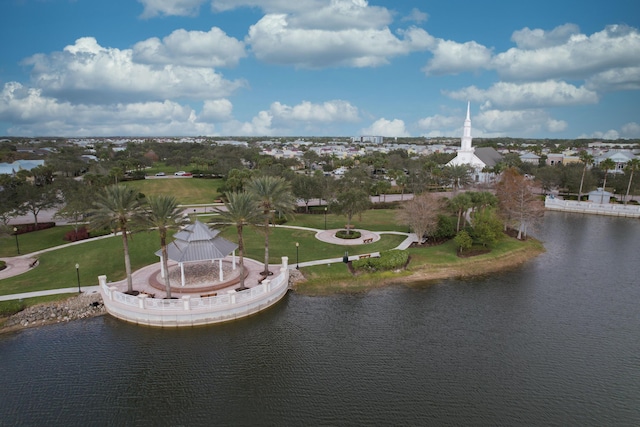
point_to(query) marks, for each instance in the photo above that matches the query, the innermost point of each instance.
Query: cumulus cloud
(617, 46)
(34, 114)
(538, 38)
(273, 40)
(550, 93)
(191, 48)
(327, 112)
(520, 122)
(388, 128)
(437, 124)
(89, 73)
(631, 130)
(217, 110)
(627, 78)
(450, 57)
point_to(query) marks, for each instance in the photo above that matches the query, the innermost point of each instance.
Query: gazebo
(197, 242)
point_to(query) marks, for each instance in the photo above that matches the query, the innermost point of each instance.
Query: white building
(477, 159)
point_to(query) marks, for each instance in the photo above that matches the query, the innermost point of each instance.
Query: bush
(28, 228)
(446, 228)
(74, 236)
(388, 260)
(344, 234)
(3, 265)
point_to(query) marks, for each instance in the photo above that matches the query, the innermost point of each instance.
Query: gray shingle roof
(197, 242)
(488, 155)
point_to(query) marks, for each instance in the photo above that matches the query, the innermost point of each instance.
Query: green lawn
(33, 242)
(373, 219)
(186, 190)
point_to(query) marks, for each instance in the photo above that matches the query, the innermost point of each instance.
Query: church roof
(489, 156)
(197, 242)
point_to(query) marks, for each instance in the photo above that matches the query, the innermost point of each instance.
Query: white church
(476, 158)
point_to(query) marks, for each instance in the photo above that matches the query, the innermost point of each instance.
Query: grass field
(186, 190)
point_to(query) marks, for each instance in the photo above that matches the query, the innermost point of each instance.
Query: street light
(325, 217)
(297, 258)
(15, 233)
(78, 277)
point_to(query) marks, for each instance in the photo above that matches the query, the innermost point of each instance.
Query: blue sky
(531, 69)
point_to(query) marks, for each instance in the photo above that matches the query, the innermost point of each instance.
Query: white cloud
(436, 124)
(617, 46)
(388, 128)
(34, 114)
(191, 48)
(538, 38)
(631, 130)
(260, 125)
(327, 112)
(450, 57)
(416, 16)
(610, 134)
(550, 93)
(520, 122)
(217, 110)
(153, 8)
(627, 78)
(273, 40)
(87, 72)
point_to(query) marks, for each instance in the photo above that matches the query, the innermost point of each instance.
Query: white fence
(632, 211)
(193, 311)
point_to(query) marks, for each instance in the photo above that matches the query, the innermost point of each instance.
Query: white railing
(188, 310)
(592, 208)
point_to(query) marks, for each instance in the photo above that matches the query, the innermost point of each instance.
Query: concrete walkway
(23, 263)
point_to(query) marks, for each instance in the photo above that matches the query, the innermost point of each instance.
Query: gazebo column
(234, 259)
(182, 272)
(162, 272)
(220, 269)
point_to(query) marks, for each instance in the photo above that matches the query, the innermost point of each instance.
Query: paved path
(22, 264)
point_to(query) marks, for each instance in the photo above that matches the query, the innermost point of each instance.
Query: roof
(489, 156)
(197, 242)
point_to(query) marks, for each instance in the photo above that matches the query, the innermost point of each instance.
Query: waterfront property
(193, 310)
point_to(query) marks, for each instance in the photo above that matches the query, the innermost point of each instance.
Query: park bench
(369, 240)
(364, 256)
(210, 294)
(34, 263)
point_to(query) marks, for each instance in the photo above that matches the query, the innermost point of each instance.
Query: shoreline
(90, 305)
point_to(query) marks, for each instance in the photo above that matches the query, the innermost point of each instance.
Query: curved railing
(192, 311)
(611, 209)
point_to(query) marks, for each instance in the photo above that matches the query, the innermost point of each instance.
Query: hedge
(389, 260)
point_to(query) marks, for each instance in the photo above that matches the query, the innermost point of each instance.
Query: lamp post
(15, 233)
(325, 217)
(297, 258)
(78, 277)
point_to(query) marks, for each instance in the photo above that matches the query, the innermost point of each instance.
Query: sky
(395, 68)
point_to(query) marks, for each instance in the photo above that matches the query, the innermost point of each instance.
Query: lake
(552, 342)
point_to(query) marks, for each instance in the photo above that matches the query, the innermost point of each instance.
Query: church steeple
(466, 135)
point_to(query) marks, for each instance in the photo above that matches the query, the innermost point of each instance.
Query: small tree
(487, 228)
(587, 159)
(632, 166)
(350, 202)
(421, 214)
(463, 241)
(605, 165)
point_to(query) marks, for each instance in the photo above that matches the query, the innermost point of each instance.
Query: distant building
(367, 138)
(478, 159)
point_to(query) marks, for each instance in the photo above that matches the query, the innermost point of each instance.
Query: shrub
(446, 228)
(3, 265)
(463, 241)
(74, 236)
(344, 234)
(28, 228)
(388, 260)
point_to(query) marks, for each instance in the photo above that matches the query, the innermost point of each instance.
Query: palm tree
(460, 204)
(163, 213)
(240, 210)
(632, 166)
(272, 194)
(606, 165)
(587, 159)
(117, 206)
(459, 175)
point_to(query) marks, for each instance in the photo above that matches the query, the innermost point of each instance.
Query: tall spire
(466, 135)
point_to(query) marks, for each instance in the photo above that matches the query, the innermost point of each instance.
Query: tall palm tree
(587, 159)
(606, 165)
(460, 204)
(163, 213)
(117, 207)
(272, 194)
(240, 210)
(632, 166)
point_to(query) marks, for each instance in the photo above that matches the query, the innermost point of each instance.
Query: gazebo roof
(196, 242)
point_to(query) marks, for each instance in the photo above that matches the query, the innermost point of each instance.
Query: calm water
(554, 342)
